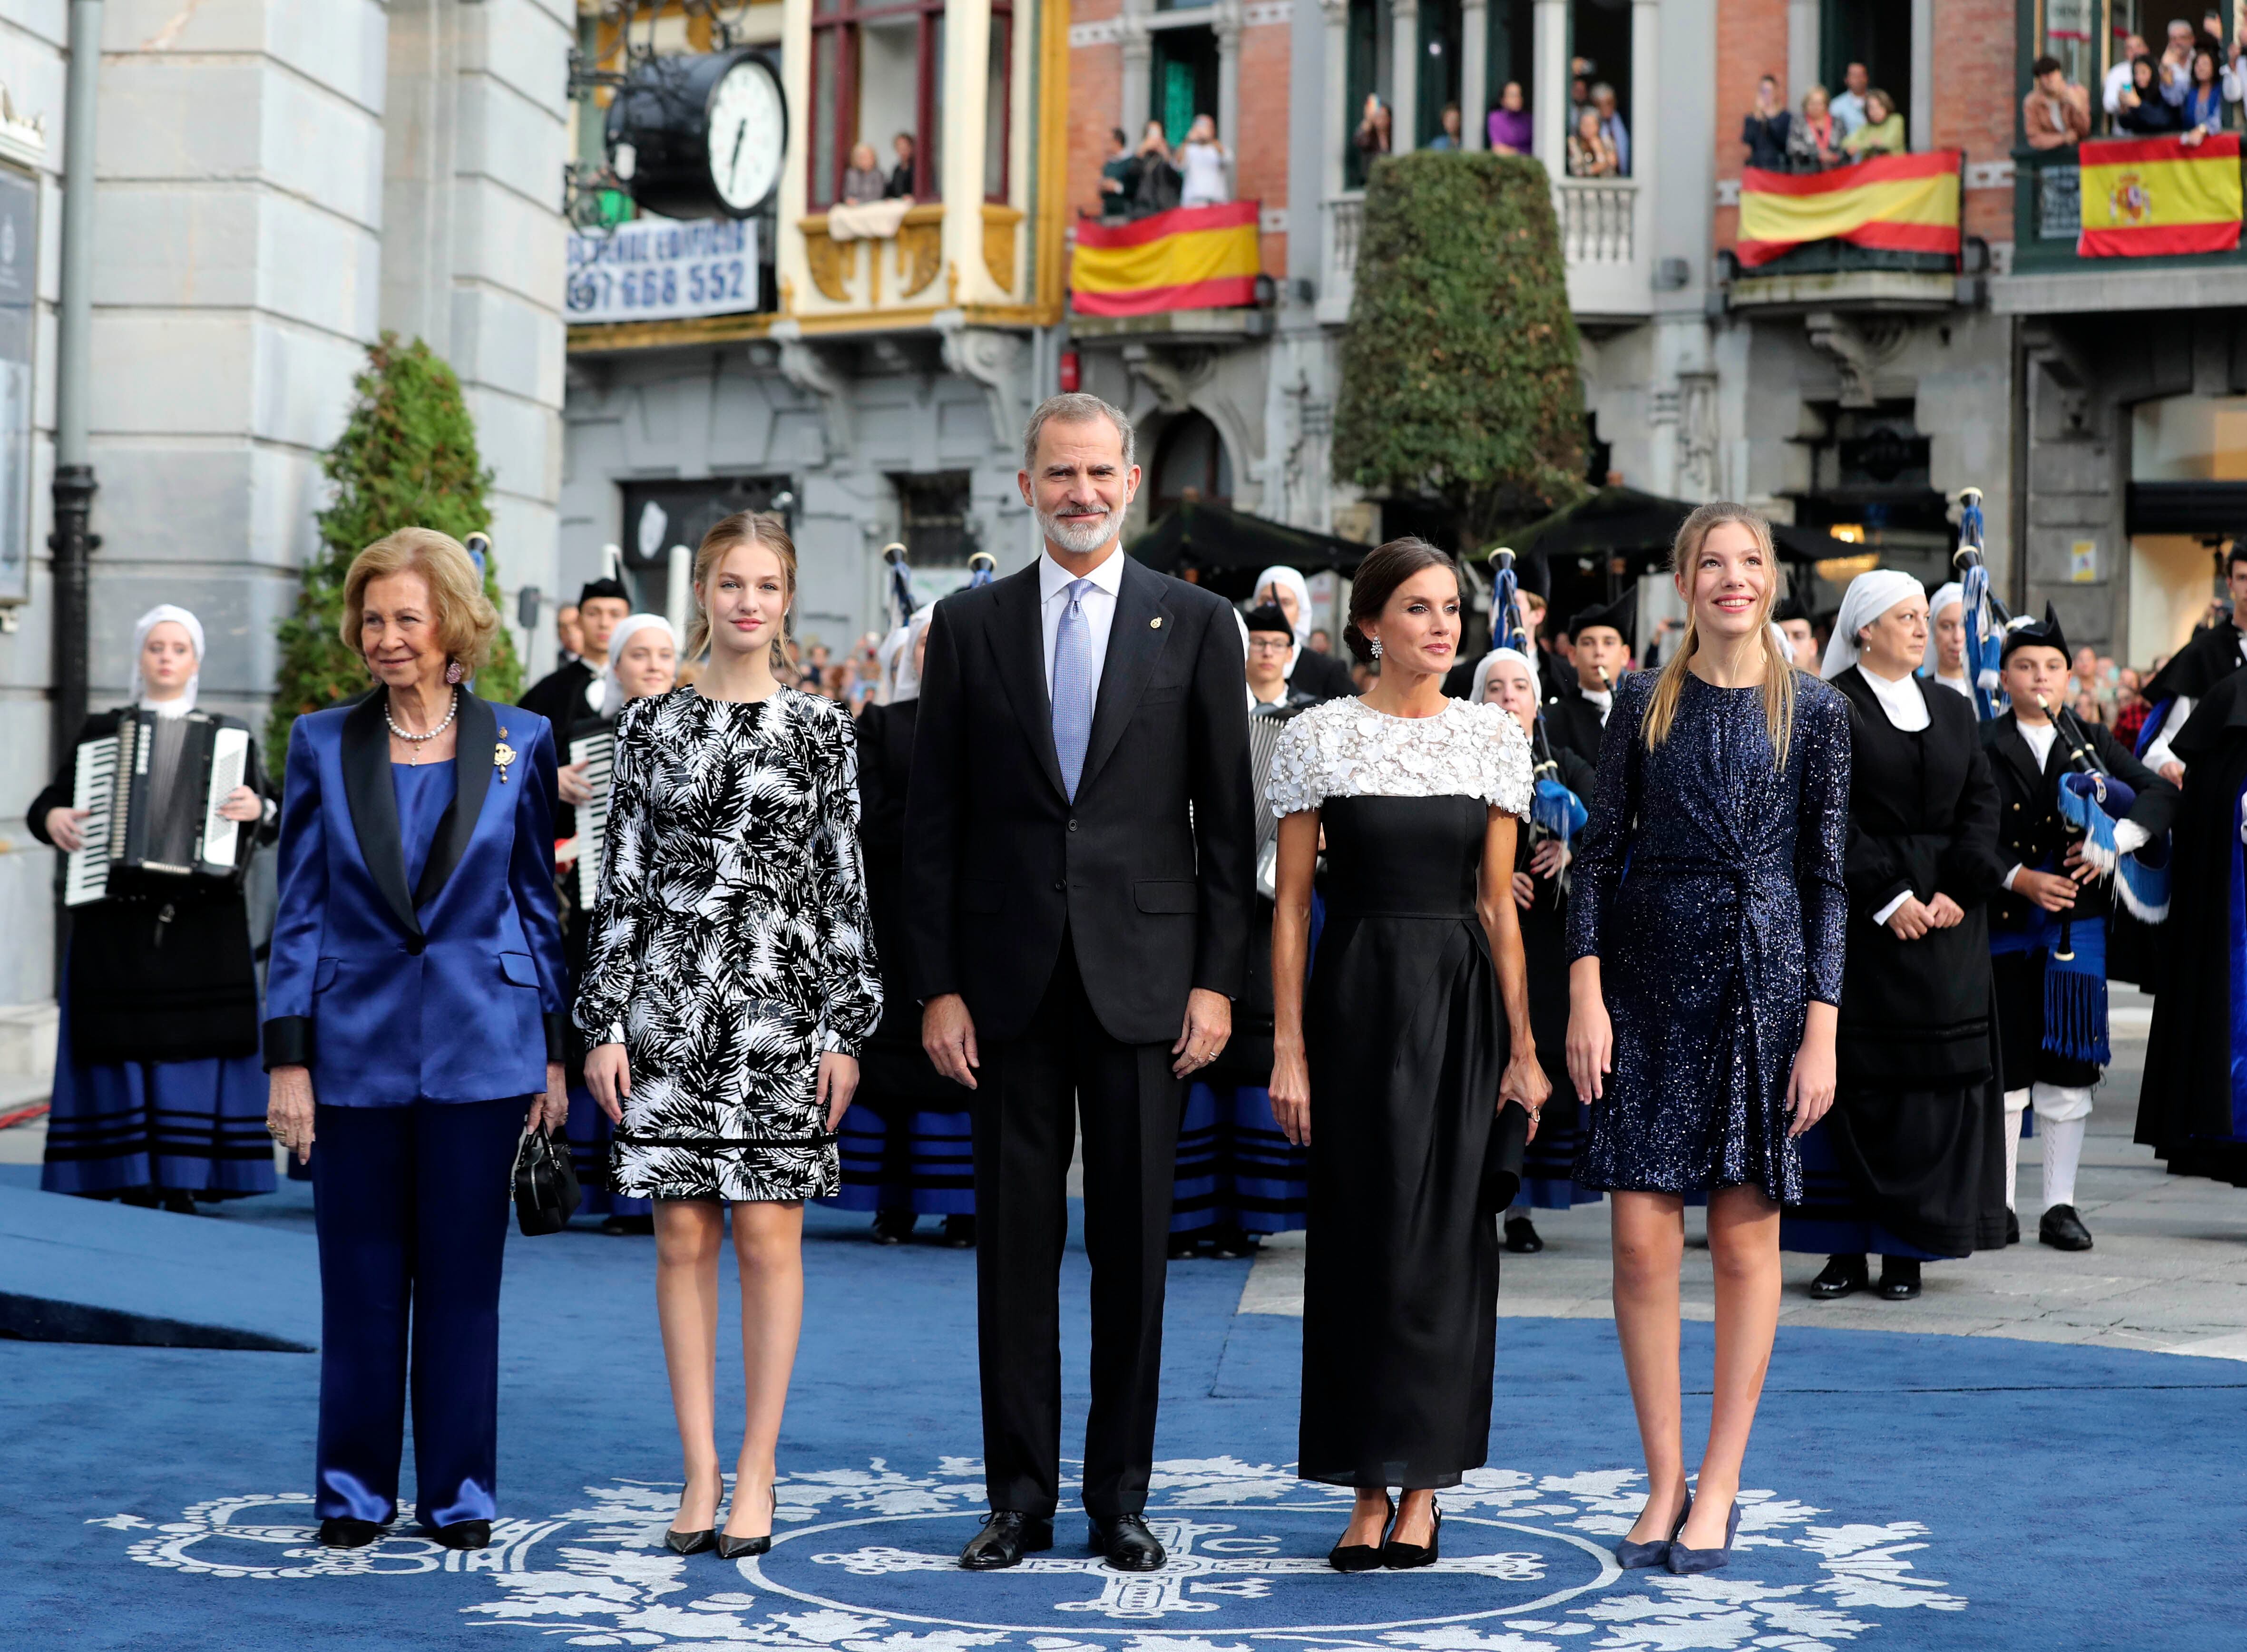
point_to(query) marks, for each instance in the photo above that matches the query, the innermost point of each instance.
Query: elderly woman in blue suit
(414, 1008)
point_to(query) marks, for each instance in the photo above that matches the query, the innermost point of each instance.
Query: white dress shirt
(2180, 713)
(2110, 96)
(1099, 604)
(1905, 708)
(2130, 836)
(1602, 698)
(1956, 685)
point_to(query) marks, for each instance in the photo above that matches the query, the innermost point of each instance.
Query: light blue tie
(1072, 686)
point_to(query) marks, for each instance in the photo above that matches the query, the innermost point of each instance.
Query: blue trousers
(412, 1205)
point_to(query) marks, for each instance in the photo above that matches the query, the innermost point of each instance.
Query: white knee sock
(2016, 1103)
(2063, 1116)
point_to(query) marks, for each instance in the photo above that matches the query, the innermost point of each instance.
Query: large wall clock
(701, 137)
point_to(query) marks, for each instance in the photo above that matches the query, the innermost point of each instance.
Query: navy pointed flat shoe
(1684, 1562)
(1640, 1557)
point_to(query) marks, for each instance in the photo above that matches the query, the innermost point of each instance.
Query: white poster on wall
(661, 268)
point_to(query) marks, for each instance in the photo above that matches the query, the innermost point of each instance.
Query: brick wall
(1978, 99)
(1751, 44)
(1095, 74)
(1260, 146)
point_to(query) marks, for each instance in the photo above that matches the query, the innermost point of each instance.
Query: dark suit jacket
(1321, 676)
(1151, 872)
(1574, 721)
(2030, 828)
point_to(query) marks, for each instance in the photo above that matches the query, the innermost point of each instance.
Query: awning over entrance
(1225, 549)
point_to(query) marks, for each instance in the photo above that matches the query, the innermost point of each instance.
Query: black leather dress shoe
(464, 1534)
(1899, 1278)
(339, 1533)
(1128, 1543)
(2012, 1228)
(893, 1227)
(1005, 1538)
(1521, 1236)
(959, 1233)
(1842, 1276)
(2063, 1229)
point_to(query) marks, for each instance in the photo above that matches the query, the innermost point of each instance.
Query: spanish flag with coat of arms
(2151, 197)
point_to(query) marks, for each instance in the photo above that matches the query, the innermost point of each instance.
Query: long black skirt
(1411, 1160)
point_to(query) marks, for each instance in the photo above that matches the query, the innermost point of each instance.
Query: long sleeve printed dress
(730, 944)
(1709, 882)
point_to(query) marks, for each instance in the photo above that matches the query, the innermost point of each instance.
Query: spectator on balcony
(2054, 113)
(1882, 133)
(1373, 128)
(1767, 127)
(2202, 112)
(2176, 63)
(1580, 88)
(862, 179)
(1448, 136)
(2141, 111)
(1611, 127)
(1203, 160)
(900, 186)
(1119, 176)
(1849, 107)
(2235, 72)
(1510, 132)
(2118, 78)
(1158, 189)
(1590, 153)
(1814, 138)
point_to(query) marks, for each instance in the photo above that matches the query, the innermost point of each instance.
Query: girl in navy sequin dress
(1706, 935)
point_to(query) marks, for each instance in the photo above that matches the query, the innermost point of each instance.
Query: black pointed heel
(690, 1542)
(1362, 1557)
(1684, 1562)
(1640, 1557)
(1406, 1557)
(736, 1548)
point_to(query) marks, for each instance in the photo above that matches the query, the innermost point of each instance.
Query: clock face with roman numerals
(748, 132)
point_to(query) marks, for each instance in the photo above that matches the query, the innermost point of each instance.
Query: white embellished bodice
(1345, 749)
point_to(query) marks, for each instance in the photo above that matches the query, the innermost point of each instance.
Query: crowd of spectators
(2189, 90)
(1827, 131)
(1136, 182)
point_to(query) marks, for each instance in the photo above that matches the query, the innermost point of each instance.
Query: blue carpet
(1911, 1491)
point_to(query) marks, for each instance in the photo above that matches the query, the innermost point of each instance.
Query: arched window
(1190, 455)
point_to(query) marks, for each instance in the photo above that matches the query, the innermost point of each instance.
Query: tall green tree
(1459, 362)
(406, 459)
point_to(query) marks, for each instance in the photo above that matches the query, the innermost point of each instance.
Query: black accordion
(598, 753)
(123, 826)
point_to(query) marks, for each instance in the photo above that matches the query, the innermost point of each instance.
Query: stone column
(1404, 75)
(1549, 111)
(1474, 74)
(1919, 124)
(1226, 24)
(1802, 43)
(1340, 126)
(1138, 56)
(1645, 115)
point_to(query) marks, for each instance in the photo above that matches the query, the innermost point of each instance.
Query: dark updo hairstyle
(1376, 580)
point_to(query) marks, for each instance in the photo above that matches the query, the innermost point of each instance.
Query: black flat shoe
(1521, 1236)
(1406, 1557)
(1128, 1543)
(2013, 1228)
(690, 1542)
(1899, 1278)
(1840, 1277)
(1364, 1557)
(1230, 1245)
(2063, 1230)
(464, 1534)
(893, 1227)
(1006, 1538)
(341, 1533)
(1181, 1246)
(959, 1233)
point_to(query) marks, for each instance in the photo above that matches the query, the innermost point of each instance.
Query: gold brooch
(503, 754)
(1156, 624)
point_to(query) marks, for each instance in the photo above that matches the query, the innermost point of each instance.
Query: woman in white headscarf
(159, 1095)
(1910, 1162)
(643, 660)
(1945, 658)
(1320, 676)
(907, 1143)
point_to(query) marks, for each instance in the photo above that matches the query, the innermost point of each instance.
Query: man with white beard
(1080, 871)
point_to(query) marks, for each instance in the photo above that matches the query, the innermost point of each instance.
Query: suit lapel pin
(503, 754)
(1156, 624)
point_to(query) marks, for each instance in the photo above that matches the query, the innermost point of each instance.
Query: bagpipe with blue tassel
(982, 569)
(1554, 811)
(1983, 616)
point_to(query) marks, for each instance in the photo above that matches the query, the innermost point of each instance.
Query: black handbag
(546, 1193)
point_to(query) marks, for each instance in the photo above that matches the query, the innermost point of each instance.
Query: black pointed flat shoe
(1364, 1557)
(339, 1533)
(1407, 1557)
(464, 1534)
(691, 1542)
(1842, 1276)
(1521, 1236)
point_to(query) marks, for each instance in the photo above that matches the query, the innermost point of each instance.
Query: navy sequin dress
(1708, 883)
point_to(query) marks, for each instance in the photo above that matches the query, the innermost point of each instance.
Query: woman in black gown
(1706, 932)
(1911, 1161)
(1508, 679)
(1399, 1070)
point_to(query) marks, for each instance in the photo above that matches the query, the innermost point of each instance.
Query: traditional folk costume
(1910, 1160)
(907, 1140)
(1316, 676)
(573, 692)
(2050, 968)
(158, 1093)
(1930, 669)
(2193, 1108)
(2212, 655)
(1579, 720)
(589, 1130)
(1239, 1178)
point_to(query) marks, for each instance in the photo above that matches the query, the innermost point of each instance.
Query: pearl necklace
(416, 741)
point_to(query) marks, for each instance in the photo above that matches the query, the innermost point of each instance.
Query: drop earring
(1375, 646)
(454, 672)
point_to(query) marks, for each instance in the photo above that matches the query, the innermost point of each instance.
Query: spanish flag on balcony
(1187, 259)
(1896, 203)
(2143, 197)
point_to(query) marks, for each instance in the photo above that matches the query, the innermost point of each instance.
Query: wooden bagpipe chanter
(127, 827)
(1555, 812)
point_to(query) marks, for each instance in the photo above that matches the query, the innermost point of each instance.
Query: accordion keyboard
(96, 789)
(598, 752)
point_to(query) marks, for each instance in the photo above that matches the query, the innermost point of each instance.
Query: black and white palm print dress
(730, 945)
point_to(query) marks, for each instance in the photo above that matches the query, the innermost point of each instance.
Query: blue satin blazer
(451, 993)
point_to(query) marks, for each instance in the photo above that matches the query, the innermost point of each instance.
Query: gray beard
(1077, 540)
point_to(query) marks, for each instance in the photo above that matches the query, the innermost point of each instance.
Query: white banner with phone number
(659, 268)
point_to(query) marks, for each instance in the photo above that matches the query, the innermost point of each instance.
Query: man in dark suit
(1079, 866)
(1598, 638)
(560, 696)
